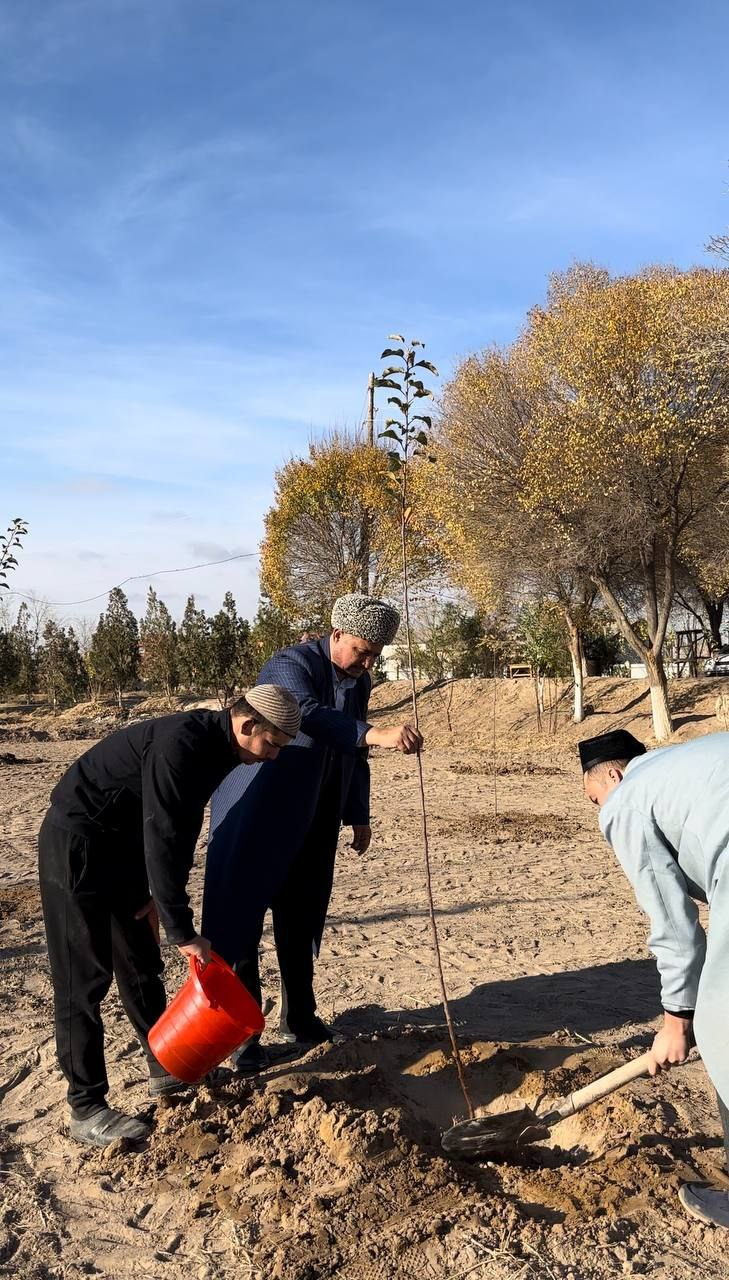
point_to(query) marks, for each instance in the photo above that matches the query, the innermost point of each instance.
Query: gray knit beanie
(366, 617)
(277, 705)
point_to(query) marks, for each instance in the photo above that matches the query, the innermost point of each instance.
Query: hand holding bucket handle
(196, 968)
(197, 946)
(211, 1015)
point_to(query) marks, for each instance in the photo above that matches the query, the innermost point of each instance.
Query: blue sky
(215, 210)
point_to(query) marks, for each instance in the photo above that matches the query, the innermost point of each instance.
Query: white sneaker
(705, 1202)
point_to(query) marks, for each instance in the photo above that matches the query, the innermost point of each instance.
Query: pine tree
(193, 648)
(60, 665)
(114, 655)
(158, 636)
(9, 664)
(25, 643)
(231, 660)
(271, 631)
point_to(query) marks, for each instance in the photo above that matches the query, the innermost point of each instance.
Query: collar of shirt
(342, 679)
(342, 683)
(226, 722)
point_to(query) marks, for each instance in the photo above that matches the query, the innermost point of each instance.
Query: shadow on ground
(582, 1001)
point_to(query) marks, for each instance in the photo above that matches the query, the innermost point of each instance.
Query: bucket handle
(196, 969)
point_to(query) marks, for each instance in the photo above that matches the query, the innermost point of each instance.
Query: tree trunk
(577, 654)
(538, 700)
(658, 685)
(715, 614)
(364, 584)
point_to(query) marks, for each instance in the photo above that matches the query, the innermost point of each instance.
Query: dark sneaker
(167, 1086)
(251, 1059)
(105, 1126)
(311, 1033)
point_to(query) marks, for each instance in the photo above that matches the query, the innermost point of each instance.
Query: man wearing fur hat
(666, 815)
(325, 778)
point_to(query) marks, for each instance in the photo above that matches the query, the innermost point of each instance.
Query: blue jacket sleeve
(356, 812)
(676, 937)
(292, 670)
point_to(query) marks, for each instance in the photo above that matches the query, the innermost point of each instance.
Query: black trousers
(299, 913)
(90, 890)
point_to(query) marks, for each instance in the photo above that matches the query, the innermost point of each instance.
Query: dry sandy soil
(331, 1166)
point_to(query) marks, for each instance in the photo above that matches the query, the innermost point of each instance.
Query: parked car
(718, 663)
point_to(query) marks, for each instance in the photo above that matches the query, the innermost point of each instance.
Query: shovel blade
(494, 1135)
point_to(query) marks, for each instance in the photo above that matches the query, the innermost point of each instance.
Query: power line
(64, 604)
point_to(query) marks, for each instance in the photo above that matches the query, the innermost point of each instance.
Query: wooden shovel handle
(604, 1085)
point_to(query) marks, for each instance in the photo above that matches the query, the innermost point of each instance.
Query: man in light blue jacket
(666, 815)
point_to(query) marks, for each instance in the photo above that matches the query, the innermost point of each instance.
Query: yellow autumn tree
(334, 527)
(626, 446)
(502, 553)
(592, 455)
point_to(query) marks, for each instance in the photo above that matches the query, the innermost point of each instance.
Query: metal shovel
(513, 1130)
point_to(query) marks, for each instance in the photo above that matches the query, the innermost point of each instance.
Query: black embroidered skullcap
(616, 745)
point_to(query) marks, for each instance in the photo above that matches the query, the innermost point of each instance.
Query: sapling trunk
(423, 809)
(412, 440)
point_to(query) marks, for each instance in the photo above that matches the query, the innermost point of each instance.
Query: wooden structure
(692, 647)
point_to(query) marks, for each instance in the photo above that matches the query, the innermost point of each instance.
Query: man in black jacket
(115, 852)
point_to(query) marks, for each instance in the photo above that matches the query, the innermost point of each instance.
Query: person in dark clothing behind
(325, 776)
(115, 852)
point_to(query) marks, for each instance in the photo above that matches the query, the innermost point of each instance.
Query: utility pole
(365, 559)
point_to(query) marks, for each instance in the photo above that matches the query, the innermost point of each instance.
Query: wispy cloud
(216, 551)
(169, 517)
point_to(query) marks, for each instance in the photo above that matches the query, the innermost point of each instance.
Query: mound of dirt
(504, 768)
(92, 710)
(473, 705)
(156, 705)
(19, 902)
(85, 720)
(23, 733)
(332, 1166)
(520, 826)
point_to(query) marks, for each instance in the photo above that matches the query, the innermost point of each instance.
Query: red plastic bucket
(209, 1017)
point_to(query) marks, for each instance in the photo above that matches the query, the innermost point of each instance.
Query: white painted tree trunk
(658, 685)
(578, 672)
